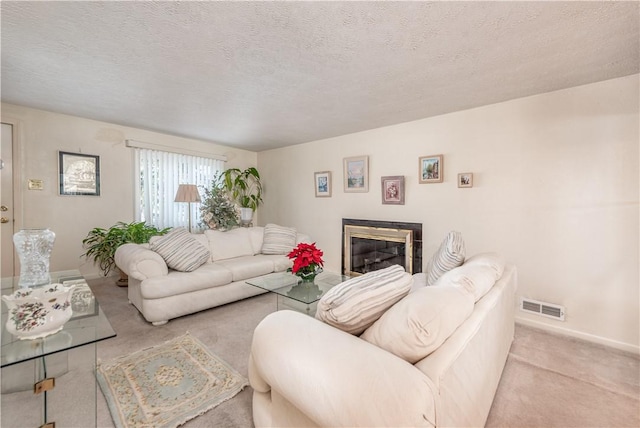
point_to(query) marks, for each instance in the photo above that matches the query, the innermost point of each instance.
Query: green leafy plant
(101, 244)
(217, 208)
(245, 186)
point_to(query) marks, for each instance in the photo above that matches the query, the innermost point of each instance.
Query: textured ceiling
(260, 75)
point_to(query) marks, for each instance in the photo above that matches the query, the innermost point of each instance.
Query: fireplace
(370, 245)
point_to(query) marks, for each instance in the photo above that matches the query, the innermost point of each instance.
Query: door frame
(16, 150)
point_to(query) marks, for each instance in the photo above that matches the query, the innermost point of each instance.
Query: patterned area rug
(166, 385)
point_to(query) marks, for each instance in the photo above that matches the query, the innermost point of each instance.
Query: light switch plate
(35, 184)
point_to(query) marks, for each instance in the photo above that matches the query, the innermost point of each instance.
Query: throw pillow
(493, 260)
(278, 239)
(476, 280)
(418, 324)
(419, 281)
(180, 250)
(230, 244)
(449, 255)
(358, 302)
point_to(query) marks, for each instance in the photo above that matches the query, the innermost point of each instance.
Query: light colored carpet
(549, 380)
(554, 381)
(167, 384)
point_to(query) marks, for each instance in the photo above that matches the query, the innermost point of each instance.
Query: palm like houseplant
(245, 188)
(101, 244)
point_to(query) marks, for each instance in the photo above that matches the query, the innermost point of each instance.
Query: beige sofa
(307, 373)
(161, 293)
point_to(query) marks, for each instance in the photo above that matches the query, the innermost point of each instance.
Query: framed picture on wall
(79, 174)
(393, 190)
(465, 179)
(356, 174)
(431, 169)
(322, 183)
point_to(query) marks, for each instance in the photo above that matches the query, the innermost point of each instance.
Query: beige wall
(555, 190)
(41, 134)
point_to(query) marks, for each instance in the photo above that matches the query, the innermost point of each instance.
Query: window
(159, 174)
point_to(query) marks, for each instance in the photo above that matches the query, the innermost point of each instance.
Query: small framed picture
(465, 179)
(431, 169)
(322, 183)
(356, 174)
(79, 174)
(393, 190)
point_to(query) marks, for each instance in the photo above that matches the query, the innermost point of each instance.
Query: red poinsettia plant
(307, 258)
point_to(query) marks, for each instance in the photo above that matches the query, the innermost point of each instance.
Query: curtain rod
(154, 146)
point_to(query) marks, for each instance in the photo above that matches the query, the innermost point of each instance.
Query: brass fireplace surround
(373, 245)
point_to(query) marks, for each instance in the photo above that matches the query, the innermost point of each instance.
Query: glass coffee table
(294, 294)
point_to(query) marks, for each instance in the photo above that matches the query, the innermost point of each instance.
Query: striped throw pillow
(180, 250)
(278, 239)
(358, 302)
(450, 255)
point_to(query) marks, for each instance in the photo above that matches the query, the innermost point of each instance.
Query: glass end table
(52, 379)
(294, 294)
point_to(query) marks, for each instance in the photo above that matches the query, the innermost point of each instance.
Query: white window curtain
(159, 175)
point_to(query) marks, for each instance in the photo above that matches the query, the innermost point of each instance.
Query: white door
(6, 201)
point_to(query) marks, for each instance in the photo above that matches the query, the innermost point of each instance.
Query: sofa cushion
(180, 250)
(278, 239)
(207, 276)
(303, 238)
(202, 238)
(355, 304)
(230, 244)
(419, 281)
(280, 262)
(246, 267)
(418, 324)
(257, 235)
(449, 255)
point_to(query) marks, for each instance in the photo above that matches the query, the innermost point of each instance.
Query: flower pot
(123, 280)
(309, 276)
(246, 216)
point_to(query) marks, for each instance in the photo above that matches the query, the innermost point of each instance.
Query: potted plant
(246, 190)
(217, 208)
(101, 244)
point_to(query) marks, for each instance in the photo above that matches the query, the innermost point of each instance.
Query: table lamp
(188, 193)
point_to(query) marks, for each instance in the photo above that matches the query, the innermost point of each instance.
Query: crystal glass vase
(34, 250)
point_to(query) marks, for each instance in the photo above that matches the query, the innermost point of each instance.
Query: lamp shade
(187, 193)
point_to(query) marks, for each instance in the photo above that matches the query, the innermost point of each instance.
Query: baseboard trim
(627, 347)
(91, 276)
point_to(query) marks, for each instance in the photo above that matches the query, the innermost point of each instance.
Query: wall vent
(544, 309)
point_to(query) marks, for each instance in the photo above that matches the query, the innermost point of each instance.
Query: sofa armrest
(140, 262)
(334, 378)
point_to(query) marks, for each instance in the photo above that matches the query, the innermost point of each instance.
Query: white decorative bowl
(38, 312)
